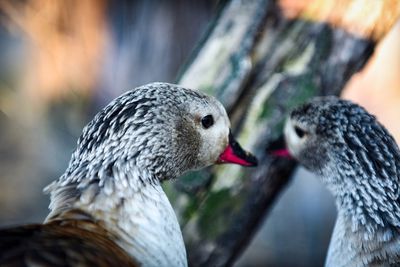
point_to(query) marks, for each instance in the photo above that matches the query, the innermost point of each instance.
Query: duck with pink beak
(108, 208)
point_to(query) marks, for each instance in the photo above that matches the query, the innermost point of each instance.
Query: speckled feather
(359, 161)
(148, 135)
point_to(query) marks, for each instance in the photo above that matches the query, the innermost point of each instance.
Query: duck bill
(279, 148)
(235, 154)
(282, 153)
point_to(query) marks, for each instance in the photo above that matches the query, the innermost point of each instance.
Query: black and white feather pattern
(109, 205)
(359, 161)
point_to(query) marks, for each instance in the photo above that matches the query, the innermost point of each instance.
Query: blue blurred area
(297, 230)
(150, 41)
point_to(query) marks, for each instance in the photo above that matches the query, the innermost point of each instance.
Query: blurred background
(62, 61)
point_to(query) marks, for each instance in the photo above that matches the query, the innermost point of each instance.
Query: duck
(108, 208)
(358, 160)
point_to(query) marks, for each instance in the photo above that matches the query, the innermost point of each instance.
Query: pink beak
(284, 153)
(235, 154)
(278, 148)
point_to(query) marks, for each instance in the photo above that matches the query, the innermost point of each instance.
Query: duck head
(343, 144)
(160, 127)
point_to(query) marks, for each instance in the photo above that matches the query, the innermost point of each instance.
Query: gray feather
(359, 161)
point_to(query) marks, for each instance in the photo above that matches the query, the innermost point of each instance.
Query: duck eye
(207, 121)
(300, 132)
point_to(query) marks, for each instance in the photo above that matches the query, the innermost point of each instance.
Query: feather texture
(76, 240)
(108, 208)
(359, 162)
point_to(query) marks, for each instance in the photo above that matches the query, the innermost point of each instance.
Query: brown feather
(66, 242)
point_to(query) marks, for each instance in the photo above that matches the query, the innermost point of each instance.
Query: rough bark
(260, 64)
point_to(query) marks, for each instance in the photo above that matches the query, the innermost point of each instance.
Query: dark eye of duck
(207, 121)
(300, 132)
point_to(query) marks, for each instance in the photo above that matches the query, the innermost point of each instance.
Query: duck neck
(361, 246)
(367, 210)
(132, 206)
